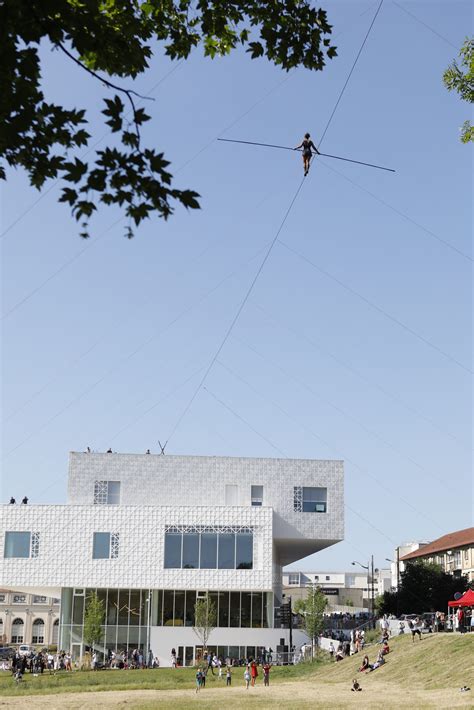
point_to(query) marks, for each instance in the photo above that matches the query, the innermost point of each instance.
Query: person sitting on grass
(356, 685)
(339, 653)
(385, 648)
(379, 662)
(365, 664)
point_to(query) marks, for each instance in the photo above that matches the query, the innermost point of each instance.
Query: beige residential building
(28, 618)
(454, 552)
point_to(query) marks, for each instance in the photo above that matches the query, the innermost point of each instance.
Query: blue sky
(104, 341)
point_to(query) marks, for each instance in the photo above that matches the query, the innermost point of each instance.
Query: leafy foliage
(205, 619)
(312, 610)
(114, 38)
(93, 620)
(423, 587)
(461, 79)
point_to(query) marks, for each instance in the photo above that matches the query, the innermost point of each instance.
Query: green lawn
(157, 679)
(437, 662)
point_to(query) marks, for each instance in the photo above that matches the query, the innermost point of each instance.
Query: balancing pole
(326, 155)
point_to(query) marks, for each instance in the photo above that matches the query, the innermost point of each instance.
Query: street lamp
(370, 582)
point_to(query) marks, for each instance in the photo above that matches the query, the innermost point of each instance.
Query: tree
(93, 620)
(117, 39)
(423, 587)
(312, 610)
(205, 619)
(461, 79)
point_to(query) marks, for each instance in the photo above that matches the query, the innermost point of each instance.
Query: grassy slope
(438, 661)
(435, 662)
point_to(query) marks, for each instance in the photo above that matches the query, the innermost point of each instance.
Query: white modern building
(346, 589)
(153, 533)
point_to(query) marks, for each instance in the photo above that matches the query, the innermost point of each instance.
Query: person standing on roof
(308, 146)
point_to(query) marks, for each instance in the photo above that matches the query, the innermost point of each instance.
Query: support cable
(275, 239)
(237, 315)
(351, 71)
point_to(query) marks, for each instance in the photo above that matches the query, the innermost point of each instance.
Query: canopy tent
(467, 599)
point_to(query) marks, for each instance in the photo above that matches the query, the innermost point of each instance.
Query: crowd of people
(250, 673)
(37, 662)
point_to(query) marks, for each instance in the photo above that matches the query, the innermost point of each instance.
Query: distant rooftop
(460, 538)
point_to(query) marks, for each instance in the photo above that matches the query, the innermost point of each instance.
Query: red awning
(467, 599)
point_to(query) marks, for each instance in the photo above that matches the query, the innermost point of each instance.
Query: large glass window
(173, 550)
(178, 609)
(190, 608)
(256, 610)
(245, 609)
(168, 604)
(112, 606)
(310, 500)
(226, 551)
(223, 609)
(244, 551)
(191, 551)
(135, 606)
(235, 609)
(208, 550)
(123, 607)
(17, 544)
(77, 610)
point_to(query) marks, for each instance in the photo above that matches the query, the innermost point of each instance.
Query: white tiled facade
(137, 498)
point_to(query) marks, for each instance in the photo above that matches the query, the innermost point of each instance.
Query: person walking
(460, 618)
(253, 672)
(308, 146)
(247, 678)
(228, 676)
(266, 674)
(416, 629)
(198, 680)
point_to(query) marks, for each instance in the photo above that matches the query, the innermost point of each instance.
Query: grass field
(425, 674)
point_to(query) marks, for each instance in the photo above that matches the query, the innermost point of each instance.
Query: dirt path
(281, 696)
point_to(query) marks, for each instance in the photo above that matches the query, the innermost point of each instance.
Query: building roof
(453, 540)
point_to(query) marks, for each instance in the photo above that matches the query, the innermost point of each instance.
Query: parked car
(25, 650)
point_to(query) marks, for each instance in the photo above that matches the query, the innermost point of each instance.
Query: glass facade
(206, 549)
(128, 613)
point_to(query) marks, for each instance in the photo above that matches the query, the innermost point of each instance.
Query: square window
(105, 546)
(294, 578)
(21, 545)
(309, 500)
(106, 492)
